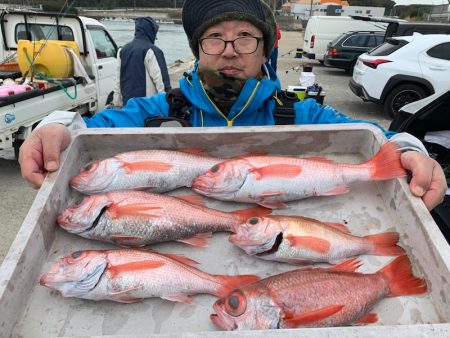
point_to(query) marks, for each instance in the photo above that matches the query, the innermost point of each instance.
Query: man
(231, 85)
(141, 66)
(274, 56)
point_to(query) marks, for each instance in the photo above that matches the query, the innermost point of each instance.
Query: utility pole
(310, 8)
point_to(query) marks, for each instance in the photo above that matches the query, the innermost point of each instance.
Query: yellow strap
(280, 103)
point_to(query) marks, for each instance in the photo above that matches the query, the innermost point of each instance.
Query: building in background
(303, 9)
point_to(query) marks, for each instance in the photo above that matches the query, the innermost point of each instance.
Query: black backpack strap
(284, 112)
(179, 113)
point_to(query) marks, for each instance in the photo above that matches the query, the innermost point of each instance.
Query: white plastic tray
(30, 310)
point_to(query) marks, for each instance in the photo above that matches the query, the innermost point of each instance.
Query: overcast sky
(420, 2)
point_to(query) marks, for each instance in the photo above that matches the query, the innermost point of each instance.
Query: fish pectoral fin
(300, 319)
(277, 171)
(315, 244)
(181, 259)
(336, 191)
(193, 199)
(182, 298)
(133, 267)
(137, 209)
(368, 318)
(155, 166)
(338, 226)
(120, 292)
(200, 240)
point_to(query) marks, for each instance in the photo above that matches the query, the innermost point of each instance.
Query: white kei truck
(21, 112)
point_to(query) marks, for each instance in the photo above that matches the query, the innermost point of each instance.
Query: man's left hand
(428, 179)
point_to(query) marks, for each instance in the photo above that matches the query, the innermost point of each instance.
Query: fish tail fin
(386, 163)
(230, 283)
(400, 278)
(385, 244)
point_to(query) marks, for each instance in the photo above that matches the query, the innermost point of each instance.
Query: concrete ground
(16, 197)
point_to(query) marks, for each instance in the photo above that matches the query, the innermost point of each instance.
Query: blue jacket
(254, 107)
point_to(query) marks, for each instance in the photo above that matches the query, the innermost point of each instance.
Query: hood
(146, 28)
(192, 89)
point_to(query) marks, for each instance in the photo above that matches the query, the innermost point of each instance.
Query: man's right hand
(40, 153)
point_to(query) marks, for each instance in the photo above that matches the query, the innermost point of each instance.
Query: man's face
(240, 66)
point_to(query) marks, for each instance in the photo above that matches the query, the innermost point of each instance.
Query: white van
(321, 30)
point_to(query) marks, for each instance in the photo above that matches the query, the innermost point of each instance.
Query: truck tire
(402, 95)
(16, 145)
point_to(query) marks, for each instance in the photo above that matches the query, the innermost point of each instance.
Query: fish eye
(233, 302)
(76, 254)
(253, 220)
(215, 169)
(236, 304)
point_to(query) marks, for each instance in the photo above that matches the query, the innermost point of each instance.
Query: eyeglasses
(242, 45)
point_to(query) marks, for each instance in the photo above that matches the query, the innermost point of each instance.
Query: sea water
(171, 38)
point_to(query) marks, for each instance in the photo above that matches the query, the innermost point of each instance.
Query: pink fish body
(272, 180)
(155, 170)
(137, 218)
(302, 240)
(129, 276)
(335, 296)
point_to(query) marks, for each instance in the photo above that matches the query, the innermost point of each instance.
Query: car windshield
(388, 47)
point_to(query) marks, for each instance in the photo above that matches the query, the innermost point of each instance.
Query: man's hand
(40, 152)
(428, 179)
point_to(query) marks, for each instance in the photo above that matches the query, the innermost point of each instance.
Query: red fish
(137, 218)
(335, 296)
(300, 240)
(154, 170)
(129, 276)
(272, 180)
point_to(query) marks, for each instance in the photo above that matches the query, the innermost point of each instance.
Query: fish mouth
(64, 222)
(221, 320)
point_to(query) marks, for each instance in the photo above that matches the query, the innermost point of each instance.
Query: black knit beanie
(199, 15)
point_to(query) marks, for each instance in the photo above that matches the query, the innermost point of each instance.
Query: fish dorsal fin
(350, 265)
(193, 199)
(134, 267)
(251, 212)
(312, 243)
(180, 259)
(338, 226)
(200, 240)
(131, 167)
(319, 159)
(300, 319)
(194, 151)
(252, 154)
(137, 209)
(277, 171)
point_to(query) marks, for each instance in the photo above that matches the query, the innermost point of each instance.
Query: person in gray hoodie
(141, 67)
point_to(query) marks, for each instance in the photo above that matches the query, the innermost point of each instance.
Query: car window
(43, 32)
(357, 40)
(389, 47)
(441, 51)
(337, 38)
(379, 39)
(104, 46)
(373, 41)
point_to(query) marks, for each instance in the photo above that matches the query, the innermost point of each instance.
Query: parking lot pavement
(16, 197)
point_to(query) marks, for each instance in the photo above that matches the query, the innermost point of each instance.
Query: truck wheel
(16, 145)
(402, 95)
